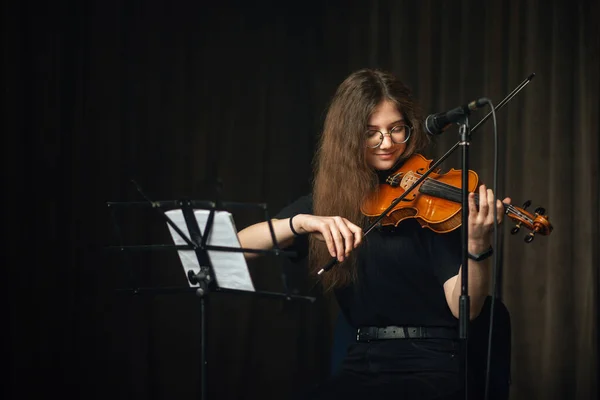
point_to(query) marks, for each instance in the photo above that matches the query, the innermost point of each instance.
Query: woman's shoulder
(302, 205)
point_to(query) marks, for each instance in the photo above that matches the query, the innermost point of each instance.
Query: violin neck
(434, 188)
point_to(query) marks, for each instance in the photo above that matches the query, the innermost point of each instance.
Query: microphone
(435, 124)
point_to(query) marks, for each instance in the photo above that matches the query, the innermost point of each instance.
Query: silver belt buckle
(363, 334)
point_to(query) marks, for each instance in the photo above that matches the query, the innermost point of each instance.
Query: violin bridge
(408, 180)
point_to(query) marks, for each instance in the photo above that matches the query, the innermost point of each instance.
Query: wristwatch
(481, 256)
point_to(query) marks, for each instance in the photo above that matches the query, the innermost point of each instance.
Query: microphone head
(435, 124)
(432, 125)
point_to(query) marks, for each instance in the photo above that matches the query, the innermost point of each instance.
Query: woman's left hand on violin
(481, 219)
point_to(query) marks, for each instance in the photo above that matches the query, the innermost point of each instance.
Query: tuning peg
(526, 204)
(529, 237)
(540, 211)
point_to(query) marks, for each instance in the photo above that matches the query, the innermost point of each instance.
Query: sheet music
(230, 268)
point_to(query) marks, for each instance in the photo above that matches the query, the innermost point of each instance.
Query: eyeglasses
(398, 134)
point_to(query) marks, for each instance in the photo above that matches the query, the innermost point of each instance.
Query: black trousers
(423, 369)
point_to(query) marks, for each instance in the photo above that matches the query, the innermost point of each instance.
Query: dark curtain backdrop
(179, 94)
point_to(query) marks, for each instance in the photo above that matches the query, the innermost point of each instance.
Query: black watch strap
(481, 256)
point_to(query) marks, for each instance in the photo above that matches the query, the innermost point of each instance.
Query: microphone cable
(496, 251)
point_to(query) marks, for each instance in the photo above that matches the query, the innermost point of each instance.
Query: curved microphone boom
(435, 124)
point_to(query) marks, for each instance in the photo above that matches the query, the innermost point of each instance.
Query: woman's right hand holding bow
(340, 235)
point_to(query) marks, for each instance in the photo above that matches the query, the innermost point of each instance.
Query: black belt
(369, 333)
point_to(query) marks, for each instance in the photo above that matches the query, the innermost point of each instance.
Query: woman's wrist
(478, 246)
(291, 221)
(480, 256)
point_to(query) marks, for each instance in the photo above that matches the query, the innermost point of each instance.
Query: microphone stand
(464, 301)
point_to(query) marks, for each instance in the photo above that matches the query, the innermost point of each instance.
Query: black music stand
(201, 282)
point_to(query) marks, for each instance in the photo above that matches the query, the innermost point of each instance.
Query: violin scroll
(536, 222)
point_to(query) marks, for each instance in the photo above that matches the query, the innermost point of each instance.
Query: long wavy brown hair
(342, 177)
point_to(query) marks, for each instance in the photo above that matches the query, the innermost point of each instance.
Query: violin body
(436, 202)
(437, 213)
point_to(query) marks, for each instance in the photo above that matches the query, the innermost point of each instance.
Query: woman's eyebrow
(390, 124)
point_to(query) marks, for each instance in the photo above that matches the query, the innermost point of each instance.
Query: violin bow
(416, 183)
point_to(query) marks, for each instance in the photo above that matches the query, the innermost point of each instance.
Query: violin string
(454, 191)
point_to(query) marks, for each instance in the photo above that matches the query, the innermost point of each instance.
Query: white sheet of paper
(230, 268)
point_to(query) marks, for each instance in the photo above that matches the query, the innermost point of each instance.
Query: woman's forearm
(479, 284)
(258, 236)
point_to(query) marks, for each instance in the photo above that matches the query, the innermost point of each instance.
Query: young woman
(398, 287)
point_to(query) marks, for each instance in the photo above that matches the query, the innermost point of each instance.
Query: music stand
(201, 279)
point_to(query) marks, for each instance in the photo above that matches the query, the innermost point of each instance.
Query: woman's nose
(387, 142)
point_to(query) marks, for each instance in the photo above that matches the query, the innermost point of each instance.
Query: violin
(437, 201)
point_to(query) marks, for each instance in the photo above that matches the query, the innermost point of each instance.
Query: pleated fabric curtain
(178, 95)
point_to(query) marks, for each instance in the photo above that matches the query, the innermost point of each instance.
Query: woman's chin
(384, 165)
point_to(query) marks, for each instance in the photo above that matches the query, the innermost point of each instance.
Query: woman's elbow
(474, 311)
